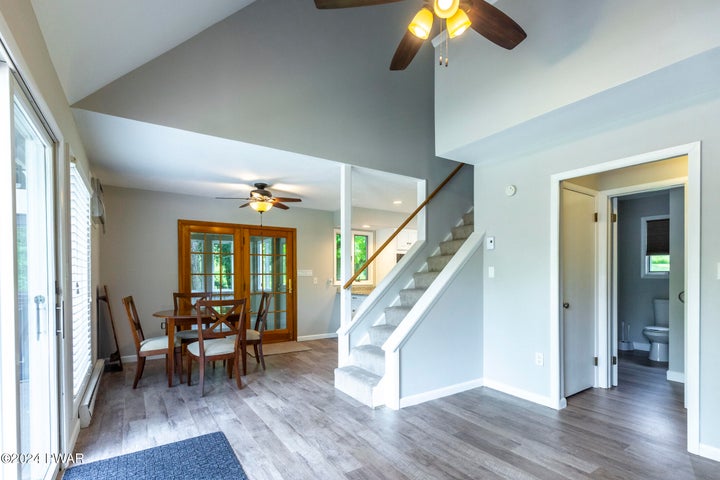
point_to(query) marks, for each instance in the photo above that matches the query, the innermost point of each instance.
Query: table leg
(170, 326)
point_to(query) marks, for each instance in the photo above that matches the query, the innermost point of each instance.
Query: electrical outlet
(539, 360)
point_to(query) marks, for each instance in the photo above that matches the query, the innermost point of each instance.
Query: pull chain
(446, 41)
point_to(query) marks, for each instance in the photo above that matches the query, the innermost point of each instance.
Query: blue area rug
(205, 457)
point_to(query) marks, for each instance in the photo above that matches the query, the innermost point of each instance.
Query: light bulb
(421, 24)
(445, 8)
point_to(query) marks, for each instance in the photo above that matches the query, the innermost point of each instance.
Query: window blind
(658, 237)
(81, 294)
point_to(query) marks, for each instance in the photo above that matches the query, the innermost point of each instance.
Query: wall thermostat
(510, 190)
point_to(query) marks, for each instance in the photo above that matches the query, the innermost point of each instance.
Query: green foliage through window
(361, 252)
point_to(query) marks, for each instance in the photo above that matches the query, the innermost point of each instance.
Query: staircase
(361, 379)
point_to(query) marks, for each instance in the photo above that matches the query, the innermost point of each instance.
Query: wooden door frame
(241, 234)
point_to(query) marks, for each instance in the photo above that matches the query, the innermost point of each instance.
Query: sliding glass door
(30, 401)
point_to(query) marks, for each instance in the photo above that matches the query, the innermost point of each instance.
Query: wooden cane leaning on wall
(114, 364)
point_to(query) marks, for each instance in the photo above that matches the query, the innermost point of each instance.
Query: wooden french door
(271, 269)
(242, 261)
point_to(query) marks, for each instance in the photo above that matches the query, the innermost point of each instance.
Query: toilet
(658, 334)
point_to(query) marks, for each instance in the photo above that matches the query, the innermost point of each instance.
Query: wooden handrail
(402, 225)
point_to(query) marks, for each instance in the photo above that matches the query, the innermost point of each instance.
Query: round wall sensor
(510, 190)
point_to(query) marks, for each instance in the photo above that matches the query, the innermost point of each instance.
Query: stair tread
(384, 327)
(368, 348)
(360, 374)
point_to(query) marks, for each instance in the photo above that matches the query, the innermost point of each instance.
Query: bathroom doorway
(645, 172)
(647, 258)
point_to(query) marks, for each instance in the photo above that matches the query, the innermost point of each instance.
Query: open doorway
(644, 173)
(647, 282)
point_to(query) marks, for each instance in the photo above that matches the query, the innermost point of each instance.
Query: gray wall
(591, 84)
(636, 294)
(282, 74)
(515, 329)
(139, 255)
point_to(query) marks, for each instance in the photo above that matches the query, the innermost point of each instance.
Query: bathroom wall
(635, 294)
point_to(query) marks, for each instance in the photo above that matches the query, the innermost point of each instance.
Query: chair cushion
(156, 343)
(217, 346)
(251, 334)
(187, 334)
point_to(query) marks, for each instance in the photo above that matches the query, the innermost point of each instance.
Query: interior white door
(616, 334)
(578, 247)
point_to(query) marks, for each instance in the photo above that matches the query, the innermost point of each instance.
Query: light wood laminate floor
(289, 422)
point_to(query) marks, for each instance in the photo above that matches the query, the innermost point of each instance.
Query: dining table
(184, 318)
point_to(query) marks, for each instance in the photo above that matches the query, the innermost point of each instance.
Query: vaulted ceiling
(96, 45)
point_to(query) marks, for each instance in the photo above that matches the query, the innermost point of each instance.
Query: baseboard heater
(87, 405)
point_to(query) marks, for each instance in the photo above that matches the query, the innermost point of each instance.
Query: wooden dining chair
(221, 340)
(188, 301)
(254, 336)
(145, 347)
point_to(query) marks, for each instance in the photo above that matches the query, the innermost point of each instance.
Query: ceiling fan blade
(232, 198)
(287, 199)
(406, 50)
(280, 205)
(323, 4)
(244, 205)
(494, 25)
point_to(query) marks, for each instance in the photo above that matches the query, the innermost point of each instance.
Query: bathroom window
(655, 250)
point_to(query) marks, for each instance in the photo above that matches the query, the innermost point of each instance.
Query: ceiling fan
(261, 200)
(455, 15)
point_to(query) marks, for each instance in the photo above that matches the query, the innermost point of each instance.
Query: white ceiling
(94, 42)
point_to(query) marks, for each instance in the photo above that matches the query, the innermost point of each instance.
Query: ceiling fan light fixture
(445, 8)
(457, 24)
(261, 206)
(421, 23)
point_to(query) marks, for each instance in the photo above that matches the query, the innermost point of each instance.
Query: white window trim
(644, 258)
(371, 250)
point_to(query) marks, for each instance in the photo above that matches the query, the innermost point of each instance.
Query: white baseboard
(440, 392)
(319, 336)
(520, 393)
(645, 347)
(713, 453)
(676, 376)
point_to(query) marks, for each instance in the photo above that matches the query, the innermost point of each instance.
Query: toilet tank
(661, 310)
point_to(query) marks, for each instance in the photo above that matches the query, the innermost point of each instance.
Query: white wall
(573, 51)
(140, 255)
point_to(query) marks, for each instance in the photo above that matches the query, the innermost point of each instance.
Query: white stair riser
(359, 385)
(462, 232)
(438, 262)
(409, 297)
(451, 246)
(424, 279)
(380, 333)
(395, 315)
(370, 358)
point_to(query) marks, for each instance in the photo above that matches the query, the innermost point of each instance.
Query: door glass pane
(37, 394)
(211, 264)
(268, 273)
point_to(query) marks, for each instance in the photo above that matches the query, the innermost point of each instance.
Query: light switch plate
(491, 272)
(490, 243)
